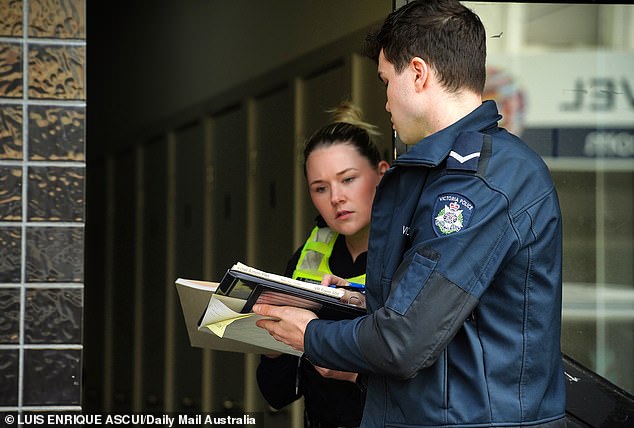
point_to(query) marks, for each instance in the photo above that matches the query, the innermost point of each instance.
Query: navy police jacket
(463, 287)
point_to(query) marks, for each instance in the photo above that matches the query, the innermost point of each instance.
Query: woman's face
(342, 184)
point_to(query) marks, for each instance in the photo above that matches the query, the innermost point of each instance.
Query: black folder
(245, 283)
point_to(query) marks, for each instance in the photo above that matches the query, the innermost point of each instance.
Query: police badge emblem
(452, 213)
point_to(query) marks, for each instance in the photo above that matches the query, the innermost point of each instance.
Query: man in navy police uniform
(464, 262)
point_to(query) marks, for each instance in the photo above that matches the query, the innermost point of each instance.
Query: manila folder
(194, 297)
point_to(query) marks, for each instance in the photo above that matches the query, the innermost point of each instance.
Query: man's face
(400, 100)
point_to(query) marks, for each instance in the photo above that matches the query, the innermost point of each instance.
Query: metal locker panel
(154, 194)
(189, 200)
(188, 256)
(119, 346)
(228, 175)
(322, 91)
(274, 162)
(369, 94)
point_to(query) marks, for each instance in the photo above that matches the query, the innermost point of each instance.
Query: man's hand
(290, 325)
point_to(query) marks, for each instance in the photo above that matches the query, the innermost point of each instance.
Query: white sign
(568, 89)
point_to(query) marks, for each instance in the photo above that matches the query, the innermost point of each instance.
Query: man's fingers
(265, 324)
(288, 324)
(266, 310)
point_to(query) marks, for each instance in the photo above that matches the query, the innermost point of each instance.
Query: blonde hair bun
(347, 112)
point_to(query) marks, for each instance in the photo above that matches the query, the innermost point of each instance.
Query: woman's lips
(343, 214)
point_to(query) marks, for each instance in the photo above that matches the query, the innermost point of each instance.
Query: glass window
(563, 77)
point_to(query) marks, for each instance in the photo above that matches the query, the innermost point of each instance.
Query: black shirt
(328, 402)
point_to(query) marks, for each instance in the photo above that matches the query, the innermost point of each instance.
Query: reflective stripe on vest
(313, 260)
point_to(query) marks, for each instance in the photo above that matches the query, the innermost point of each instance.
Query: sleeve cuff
(362, 382)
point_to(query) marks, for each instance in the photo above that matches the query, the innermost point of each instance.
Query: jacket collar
(432, 150)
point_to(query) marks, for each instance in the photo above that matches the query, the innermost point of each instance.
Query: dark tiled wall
(42, 173)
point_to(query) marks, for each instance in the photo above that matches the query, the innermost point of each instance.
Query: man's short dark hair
(444, 33)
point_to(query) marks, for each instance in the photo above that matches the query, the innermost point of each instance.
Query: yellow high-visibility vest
(313, 260)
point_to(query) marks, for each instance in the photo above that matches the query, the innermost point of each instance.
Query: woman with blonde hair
(343, 166)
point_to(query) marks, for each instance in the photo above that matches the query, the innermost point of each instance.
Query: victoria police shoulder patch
(452, 213)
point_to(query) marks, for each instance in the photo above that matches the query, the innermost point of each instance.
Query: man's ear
(383, 166)
(421, 72)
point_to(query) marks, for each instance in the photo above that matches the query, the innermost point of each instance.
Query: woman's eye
(320, 189)
(348, 179)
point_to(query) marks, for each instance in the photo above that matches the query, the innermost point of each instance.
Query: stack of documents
(218, 315)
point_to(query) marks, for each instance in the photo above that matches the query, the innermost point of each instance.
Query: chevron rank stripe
(463, 159)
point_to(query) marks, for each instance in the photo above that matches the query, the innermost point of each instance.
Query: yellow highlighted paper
(218, 328)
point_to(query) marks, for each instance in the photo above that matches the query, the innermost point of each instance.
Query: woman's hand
(330, 279)
(351, 297)
(336, 374)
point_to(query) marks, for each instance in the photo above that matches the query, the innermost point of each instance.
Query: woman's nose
(337, 195)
